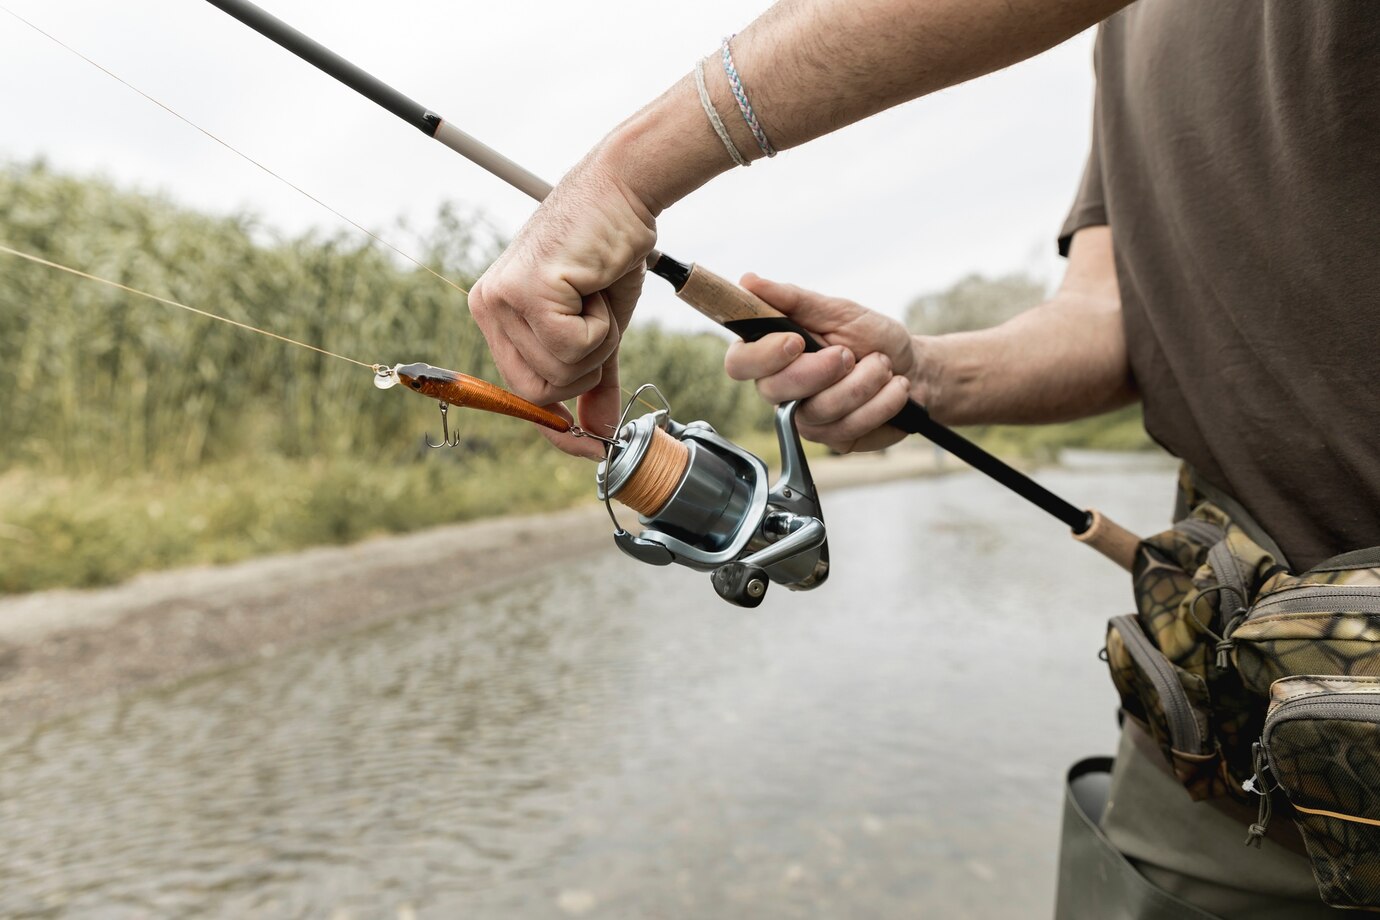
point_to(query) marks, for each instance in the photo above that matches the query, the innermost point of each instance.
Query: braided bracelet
(744, 106)
(708, 105)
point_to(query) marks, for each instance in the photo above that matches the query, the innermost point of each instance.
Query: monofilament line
(247, 158)
(244, 156)
(173, 303)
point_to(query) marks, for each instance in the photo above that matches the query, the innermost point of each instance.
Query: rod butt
(1110, 539)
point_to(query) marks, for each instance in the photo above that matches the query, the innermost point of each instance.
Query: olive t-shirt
(1236, 158)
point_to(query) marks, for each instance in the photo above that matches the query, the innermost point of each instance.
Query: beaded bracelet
(744, 106)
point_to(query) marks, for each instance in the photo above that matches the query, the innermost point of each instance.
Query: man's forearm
(1057, 362)
(1062, 360)
(813, 66)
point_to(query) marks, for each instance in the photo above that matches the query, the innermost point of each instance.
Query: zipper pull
(1257, 784)
(1227, 643)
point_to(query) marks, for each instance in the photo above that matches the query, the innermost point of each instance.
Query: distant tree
(975, 302)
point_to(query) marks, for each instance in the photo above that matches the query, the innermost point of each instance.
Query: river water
(606, 739)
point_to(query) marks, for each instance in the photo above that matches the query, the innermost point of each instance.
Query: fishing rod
(738, 310)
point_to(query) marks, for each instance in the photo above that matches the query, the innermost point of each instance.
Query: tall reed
(97, 381)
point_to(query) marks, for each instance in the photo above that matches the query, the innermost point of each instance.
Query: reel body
(709, 505)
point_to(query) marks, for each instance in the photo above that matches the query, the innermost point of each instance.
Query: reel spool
(706, 503)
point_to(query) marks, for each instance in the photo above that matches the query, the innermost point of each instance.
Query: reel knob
(740, 583)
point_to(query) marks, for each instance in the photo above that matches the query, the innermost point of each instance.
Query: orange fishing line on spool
(657, 476)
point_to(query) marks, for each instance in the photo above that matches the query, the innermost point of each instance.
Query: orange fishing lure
(452, 388)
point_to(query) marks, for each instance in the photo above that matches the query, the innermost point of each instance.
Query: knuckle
(563, 376)
(815, 413)
(810, 432)
(870, 382)
(568, 340)
(531, 386)
(749, 361)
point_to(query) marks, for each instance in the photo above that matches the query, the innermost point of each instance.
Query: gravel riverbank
(61, 651)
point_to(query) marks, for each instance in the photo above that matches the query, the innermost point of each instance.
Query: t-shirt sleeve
(1089, 206)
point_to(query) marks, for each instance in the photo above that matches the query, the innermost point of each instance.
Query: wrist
(926, 386)
(666, 150)
(958, 370)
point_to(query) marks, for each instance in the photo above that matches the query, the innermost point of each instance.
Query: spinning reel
(706, 503)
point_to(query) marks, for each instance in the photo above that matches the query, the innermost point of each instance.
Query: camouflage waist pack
(1254, 680)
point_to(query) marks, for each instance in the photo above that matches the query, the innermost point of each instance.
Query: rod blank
(315, 53)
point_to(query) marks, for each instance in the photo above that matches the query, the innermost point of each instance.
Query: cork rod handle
(739, 311)
(1110, 539)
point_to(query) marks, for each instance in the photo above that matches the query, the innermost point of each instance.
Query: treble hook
(446, 439)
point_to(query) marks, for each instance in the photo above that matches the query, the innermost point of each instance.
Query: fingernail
(886, 362)
(794, 346)
(848, 360)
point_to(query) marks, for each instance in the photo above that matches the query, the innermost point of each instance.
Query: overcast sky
(973, 179)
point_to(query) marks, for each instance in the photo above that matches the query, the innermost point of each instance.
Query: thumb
(815, 312)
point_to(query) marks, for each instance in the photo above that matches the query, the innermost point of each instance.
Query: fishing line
(247, 158)
(173, 303)
(239, 153)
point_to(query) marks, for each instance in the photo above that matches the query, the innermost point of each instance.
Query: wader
(1184, 851)
(1136, 845)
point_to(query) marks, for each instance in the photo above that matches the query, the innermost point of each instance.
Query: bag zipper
(1184, 734)
(1361, 599)
(1345, 707)
(1229, 576)
(1228, 573)
(1348, 707)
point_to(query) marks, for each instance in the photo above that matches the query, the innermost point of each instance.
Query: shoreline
(65, 650)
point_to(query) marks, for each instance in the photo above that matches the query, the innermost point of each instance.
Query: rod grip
(750, 317)
(1110, 539)
(740, 311)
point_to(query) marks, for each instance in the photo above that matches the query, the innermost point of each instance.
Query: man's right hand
(849, 390)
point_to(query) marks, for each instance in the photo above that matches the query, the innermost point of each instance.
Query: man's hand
(554, 306)
(848, 390)
(1061, 360)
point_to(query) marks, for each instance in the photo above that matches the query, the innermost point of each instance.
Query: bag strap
(1193, 486)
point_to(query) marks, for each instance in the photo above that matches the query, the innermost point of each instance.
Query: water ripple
(611, 740)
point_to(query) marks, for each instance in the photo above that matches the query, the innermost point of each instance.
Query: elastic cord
(708, 105)
(744, 106)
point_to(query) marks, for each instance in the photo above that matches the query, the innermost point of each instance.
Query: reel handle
(740, 583)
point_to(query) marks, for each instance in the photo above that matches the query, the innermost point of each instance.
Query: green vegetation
(136, 436)
(1119, 430)
(89, 530)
